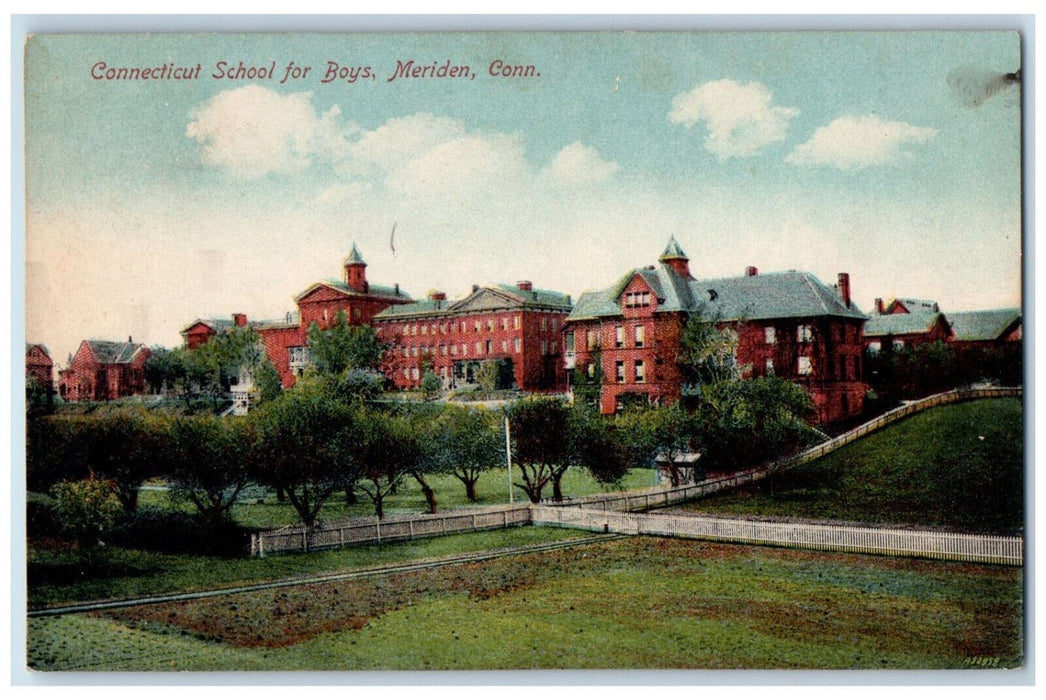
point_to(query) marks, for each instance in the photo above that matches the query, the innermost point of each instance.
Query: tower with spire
(675, 258)
(356, 271)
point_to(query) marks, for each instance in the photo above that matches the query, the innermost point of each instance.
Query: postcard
(524, 351)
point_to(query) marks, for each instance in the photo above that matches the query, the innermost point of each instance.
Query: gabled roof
(773, 295)
(373, 290)
(902, 324)
(215, 324)
(916, 305)
(111, 352)
(499, 296)
(30, 346)
(990, 324)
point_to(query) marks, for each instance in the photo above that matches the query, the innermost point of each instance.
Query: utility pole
(508, 460)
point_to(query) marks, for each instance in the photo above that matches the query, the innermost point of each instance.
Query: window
(591, 370)
(570, 341)
(424, 330)
(640, 372)
(875, 346)
(619, 371)
(504, 346)
(804, 333)
(516, 321)
(406, 372)
(356, 313)
(640, 336)
(805, 366)
(413, 372)
(593, 340)
(490, 324)
(479, 348)
(769, 366)
(637, 299)
(517, 344)
(771, 335)
(555, 345)
(504, 323)
(477, 326)
(490, 347)
(544, 347)
(555, 323)
(619, 336)
(898, 344)
(443, 350)
(544, 323)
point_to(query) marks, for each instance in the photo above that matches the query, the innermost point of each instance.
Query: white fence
(296, 538)
(840, 538)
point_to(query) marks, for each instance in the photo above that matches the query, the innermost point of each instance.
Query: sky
(151, 203)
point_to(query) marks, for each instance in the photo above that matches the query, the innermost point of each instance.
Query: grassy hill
(956, 467)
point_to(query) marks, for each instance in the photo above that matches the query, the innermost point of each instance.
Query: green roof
(901, 324)
(990, 324)
(536, 297)
(773, 295)
(526, 299)
(354, 256)
(673, 251)
(113, 352)
(378, 290)
(416, 308)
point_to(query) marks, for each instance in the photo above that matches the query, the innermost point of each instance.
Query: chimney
(879, 308)
(524, 285)
(844, 288)
(751, 271)
(240, 320)
(475, 288)
(438, 296)
(130, 339)
(397, 287)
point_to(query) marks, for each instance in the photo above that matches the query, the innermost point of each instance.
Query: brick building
(39, 366)
(286, 341)
(203, 329)
(518, 325)
(789, 324)
(986, 329)
(103, 370)
(905, 322)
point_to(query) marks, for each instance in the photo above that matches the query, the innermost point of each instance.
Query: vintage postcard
(524, 351)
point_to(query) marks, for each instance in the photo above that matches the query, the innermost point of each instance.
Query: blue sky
(164, 201)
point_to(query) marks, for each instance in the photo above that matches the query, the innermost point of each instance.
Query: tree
(541, 437)
(666, 431)
(493, 375)
(431, 384)
(214, 365)
(467, 442)
(304, 448)
(209, 458)
(387, 450)
(267, 380)
(597, 445)
(87, 509)
(127, 447)
(708, 351)
(344, 347)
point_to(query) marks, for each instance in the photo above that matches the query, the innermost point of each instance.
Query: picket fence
(840, 538)
(296, 538)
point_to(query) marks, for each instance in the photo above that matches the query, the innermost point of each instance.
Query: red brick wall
(88, 380)
(278, 341)
(197, 335)
(453, 338)
(39, 366)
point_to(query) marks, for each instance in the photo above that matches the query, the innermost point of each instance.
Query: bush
(175, 532)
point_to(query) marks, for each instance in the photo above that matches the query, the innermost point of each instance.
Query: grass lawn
(260, 509)
(633, 603)
(55, 576)
(956, 467)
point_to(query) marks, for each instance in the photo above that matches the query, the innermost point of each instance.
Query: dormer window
(636, 299)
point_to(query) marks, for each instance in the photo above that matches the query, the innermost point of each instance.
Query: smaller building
(905, 323)
(990, 328)
(39, 367)
(103, 369)
(518, 326)
(203, 329)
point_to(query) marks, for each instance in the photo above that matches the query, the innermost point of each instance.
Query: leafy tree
(56, 450)
(267, 380)
(598, 445)
(496, 374)
(87, 509)
(467, 442)
(209, 458)
(304, 448)
(708, 351)
(387, 450)
(431, 384)
(587, 381)
(541, 437)
(213, 365)
(344, 347)
(667, 431)
(126, 447)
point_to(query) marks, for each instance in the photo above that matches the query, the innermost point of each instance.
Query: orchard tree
(127, 447)
(344, 347)
(468, 442)
(668, 431)
(209, 458)
(597, 445)
(541, 438)
(708, 351)
(87, 509)
(302, 440)
(387, 450)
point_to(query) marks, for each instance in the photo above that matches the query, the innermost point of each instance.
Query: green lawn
(260, 509)
(634, 603)
(55, 576)
(957, 467)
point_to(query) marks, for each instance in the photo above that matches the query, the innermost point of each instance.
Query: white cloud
(252, 131)
(740, 119)
(401, 140)
(851, 143)
(472, 164)
(578, 164)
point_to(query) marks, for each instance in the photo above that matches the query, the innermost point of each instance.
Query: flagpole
(508, 460)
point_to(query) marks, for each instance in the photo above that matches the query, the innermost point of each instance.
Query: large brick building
(103, 370)
(286, 341)
(517, 325)
(789, 324)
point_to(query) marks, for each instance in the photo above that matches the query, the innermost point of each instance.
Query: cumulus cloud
(740, 118)
(579, 164)
(252, 131)
(401, 140)
(852, 143)
(472, 163)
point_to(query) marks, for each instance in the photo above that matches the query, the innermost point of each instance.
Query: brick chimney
(356, 271)
(879, 308)
(524, 285)
(240, 320)
(438, 296)
(844, 288)
(751, 271)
